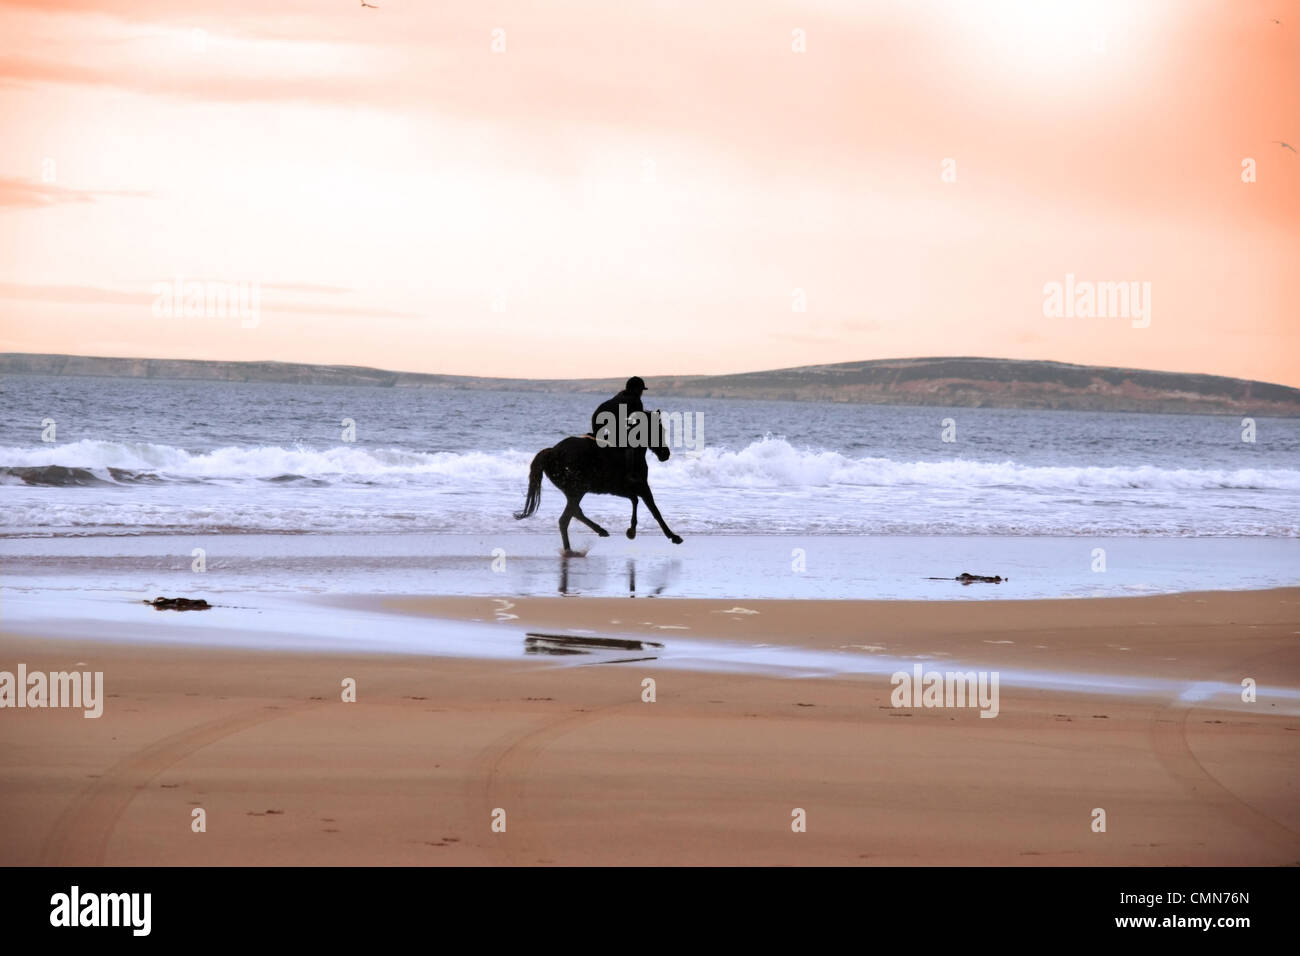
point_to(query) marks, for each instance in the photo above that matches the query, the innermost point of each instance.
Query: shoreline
(1161, 646)
(1155, 644)
(723, 567)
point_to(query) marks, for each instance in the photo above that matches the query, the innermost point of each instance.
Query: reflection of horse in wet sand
(579, 466)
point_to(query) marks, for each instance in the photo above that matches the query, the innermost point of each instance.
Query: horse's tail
(534, 485)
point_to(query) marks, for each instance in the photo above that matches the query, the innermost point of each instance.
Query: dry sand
(708, 774)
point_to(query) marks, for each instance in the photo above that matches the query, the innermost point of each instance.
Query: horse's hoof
(676, 539)
(603, 533)
(631, 533)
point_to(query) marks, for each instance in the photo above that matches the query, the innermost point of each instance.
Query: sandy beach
(588, 772)
(590, 435)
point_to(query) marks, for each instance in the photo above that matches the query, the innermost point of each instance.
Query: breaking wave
(768, 463)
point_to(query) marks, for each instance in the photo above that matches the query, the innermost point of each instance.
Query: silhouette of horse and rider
(608, 461)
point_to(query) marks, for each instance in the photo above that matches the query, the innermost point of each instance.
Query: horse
(579, 465)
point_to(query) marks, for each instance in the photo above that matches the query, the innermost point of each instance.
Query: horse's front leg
(564, 525)
(650, 503)
(631, 532)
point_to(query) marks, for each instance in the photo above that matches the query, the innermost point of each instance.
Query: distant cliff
(20, 363)
(1003, 383)
(962, 382)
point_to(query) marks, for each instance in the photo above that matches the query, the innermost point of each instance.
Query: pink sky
(641, 188)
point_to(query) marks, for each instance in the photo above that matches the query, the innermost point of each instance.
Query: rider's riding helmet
(635, 384)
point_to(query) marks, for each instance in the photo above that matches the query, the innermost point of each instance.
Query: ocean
(431, 478)
(151, 457)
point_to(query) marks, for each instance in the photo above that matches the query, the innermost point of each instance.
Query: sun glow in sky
(652, 188)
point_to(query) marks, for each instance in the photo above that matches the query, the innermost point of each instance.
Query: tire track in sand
(499, 776)
(80, 835)
(1171, 747)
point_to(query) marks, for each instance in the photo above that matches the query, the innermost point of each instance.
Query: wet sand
(709, 773)
(714, 566)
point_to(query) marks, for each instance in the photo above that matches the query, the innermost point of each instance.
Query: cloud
(20, 193)
(72, 294)
(99, 296)
(729, 83)
(212, 86)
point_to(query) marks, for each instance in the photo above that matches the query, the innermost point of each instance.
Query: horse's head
(660, 443)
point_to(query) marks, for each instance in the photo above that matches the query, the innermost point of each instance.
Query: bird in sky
(1286, 145)
(372, 6)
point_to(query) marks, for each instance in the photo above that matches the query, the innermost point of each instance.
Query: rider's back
(610, 412)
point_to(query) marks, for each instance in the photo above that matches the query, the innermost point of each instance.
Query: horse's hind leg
(650, 503)
(631, 531)
(577, 513)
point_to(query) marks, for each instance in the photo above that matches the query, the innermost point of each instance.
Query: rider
(610, 420)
